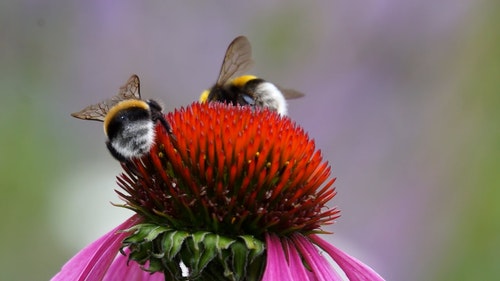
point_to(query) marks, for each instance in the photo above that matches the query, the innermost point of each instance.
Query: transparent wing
(98, 111)
(237, 60)
(291, 93)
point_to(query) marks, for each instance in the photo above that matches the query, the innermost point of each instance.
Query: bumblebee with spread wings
(129, 121)
(246, 89)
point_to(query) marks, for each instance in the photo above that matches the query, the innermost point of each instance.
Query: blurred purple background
(401, 97)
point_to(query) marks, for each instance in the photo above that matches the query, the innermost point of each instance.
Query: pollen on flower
(234, 170)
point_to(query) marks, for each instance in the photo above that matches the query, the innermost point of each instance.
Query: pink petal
(320, 266)
(91, 263)
(284, 260)
(276, 264)
(295, 262)
(354, 269)
(121, 269)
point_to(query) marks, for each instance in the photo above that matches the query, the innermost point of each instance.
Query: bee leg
(165, 124)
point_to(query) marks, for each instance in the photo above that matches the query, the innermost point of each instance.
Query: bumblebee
(129, 121)
(246, 89)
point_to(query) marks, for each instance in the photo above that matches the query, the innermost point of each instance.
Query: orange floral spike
(219, 164)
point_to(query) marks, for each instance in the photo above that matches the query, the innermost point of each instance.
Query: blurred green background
(403, 98)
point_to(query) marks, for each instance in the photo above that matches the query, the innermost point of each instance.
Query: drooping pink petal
(91, 263)
(354, 269)
(322, 269)
(295, 262)
(121, 269)
(276, 264)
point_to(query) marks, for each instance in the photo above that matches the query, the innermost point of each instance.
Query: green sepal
(208, 256)
(173, 241)
(210, 251)
(239, 259)
(255, 246)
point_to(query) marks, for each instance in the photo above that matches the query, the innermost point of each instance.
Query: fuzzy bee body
(129, 121)
(246, 89)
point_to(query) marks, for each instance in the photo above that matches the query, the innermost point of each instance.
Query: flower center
(231, 170)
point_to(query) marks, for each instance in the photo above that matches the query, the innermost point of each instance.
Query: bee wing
(98, 111)
(237, 60)
(290, 93)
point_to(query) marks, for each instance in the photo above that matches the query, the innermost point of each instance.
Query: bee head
(157, 114)
(154, 106)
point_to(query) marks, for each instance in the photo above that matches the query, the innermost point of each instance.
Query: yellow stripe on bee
(123, 105)
(242, 80)
(204, 96)
(238, 82)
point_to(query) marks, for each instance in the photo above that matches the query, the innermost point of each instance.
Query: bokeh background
(403, 98)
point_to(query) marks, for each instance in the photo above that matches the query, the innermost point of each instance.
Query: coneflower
(237, 194)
